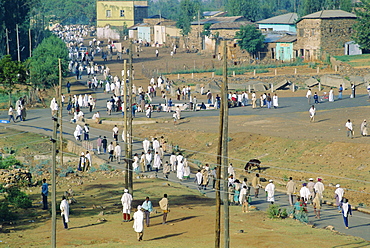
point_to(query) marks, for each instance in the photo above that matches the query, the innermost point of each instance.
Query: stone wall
(335, 33)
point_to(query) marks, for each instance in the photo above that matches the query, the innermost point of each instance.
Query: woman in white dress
(275, 101)
(180, 169)
(107, 88)
(135, 164)
(331, 95)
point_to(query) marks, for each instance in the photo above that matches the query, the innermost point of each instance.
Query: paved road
(39, 121)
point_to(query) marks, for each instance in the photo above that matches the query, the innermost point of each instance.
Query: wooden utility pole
(30, 41)
(129, 123)
(7, 41)
(218, 179)
(60, 114)
(125, 121)
(224, 162)
(54, 185)
(18, 50)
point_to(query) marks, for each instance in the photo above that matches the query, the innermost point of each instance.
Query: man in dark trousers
(44, 193)
(104, 142)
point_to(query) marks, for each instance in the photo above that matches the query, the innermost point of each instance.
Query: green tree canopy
(12, 75)
(70, 11)
(362, 27)
(44, 65)
(250, 39)
(188, 11)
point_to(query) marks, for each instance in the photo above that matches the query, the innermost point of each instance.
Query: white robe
(173, 162)
(270, 189)
(331, 96)
(180, 170)
(107, 87)
(80, 101)
(146, 144)
(138, 221)
(126, 200)
(340, 193)
(157, 161)
(64, 208)
(305, 193)
(275, 101)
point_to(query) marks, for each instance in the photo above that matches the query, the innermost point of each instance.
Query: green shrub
(5, 213)
(8, 162)
(18, 198)
(274, 211)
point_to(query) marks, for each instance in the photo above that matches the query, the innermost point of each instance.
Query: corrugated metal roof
(210, 13)
(287, 39)
(230, 25)
(213, 20)
(328, 14)
(289, 18)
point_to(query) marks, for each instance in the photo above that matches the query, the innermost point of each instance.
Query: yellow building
(116, 13)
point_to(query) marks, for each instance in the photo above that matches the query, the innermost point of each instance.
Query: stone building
(324, 32)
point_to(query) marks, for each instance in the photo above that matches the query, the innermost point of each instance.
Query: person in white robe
(85, 101)
(107, 88)
(180, 169)
(52, 106)
(148, 161)
(186, 169)
(146, 145)
(230, 170)
(80, 101)
(339, 193)
(135, 164)
(364, 128)
(78, 132)
(126, 200)
(173, 161)
(275, 101)
(156, 145)
(157, 162)
(64, 211)
(304, 192)
(139, 223)
(331, 95)
(270, 189)
(117, 152)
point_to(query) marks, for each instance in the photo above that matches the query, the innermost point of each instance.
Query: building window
(122, 13)
(301, 32)
(330, 30)
(109, 13)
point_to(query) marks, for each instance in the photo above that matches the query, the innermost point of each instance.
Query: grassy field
(355, 60)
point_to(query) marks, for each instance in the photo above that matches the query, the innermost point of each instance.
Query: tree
(11, 14)
(250, 9)
(188, 11)
(12, 75)
(44, 65)
(362, 27)
(310, 6)
(250, 39)
(70, 11)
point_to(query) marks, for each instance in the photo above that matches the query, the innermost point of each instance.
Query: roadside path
(40, 122)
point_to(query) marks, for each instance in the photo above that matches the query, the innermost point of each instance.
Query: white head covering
(270, 180)
(126, 191)
(82, 153)
(338, 185)
(311, 179)
(139, 207)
